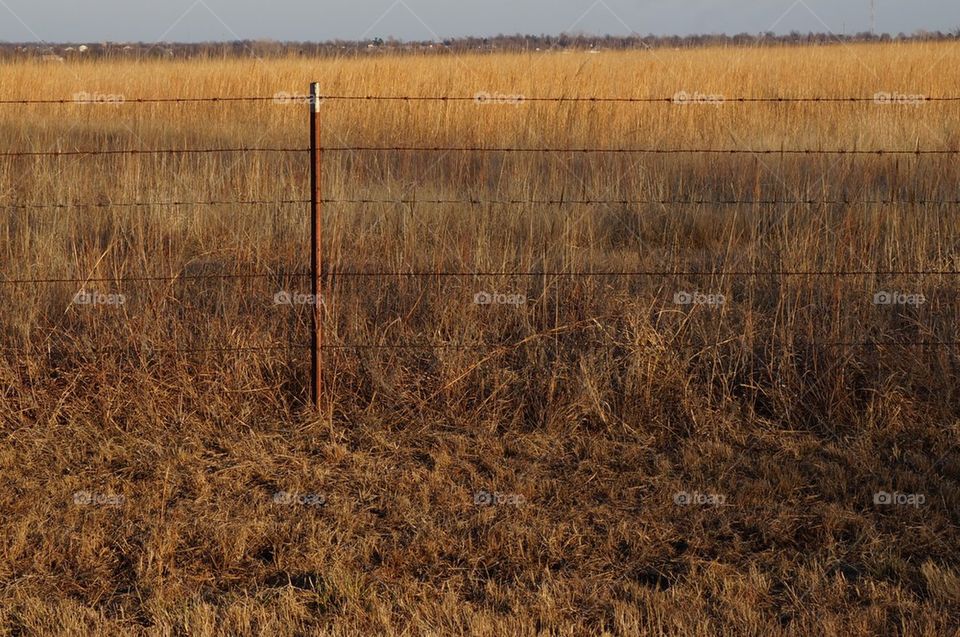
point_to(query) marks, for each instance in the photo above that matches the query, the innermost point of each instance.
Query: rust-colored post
(316, 249)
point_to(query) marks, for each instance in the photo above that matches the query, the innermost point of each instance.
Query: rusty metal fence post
(316, 249)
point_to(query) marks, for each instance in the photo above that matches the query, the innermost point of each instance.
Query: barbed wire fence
(318, 274)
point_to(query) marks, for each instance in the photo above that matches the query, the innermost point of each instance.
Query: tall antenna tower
(873, 17)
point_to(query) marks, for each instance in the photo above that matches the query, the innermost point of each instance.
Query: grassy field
(592, 458)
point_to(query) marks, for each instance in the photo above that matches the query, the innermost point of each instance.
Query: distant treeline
(377, 46)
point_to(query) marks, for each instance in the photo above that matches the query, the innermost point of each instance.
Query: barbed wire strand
(552, 202)
(147, 151)
(680, 99)
(658, 273)
(148, 204)
(145, 279)
(646, 151)
(486, 149)
(448, 346)
(678, 202)
(482, 273)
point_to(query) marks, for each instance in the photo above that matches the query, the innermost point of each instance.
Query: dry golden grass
(597, 401)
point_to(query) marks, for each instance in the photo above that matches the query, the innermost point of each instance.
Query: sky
(320, 20)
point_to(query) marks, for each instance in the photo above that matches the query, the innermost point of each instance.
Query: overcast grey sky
(198, 20)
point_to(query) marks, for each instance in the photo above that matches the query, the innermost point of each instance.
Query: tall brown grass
(598, 400)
